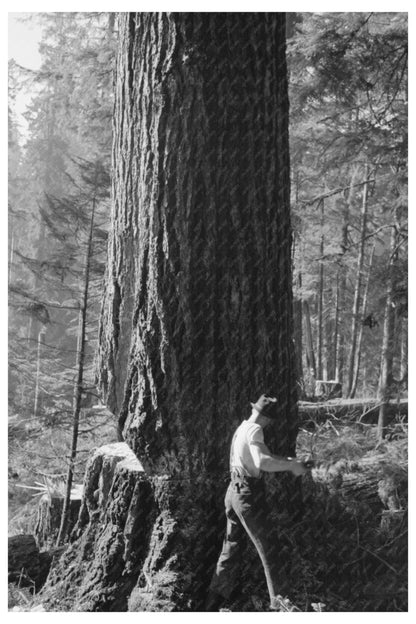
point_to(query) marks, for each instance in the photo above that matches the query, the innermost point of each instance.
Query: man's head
(265, 407)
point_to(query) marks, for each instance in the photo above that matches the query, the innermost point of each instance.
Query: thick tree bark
(196, 319)
(200, 253)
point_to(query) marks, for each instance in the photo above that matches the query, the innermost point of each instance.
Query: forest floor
(354, 519)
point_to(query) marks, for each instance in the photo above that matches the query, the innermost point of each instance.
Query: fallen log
(357, 410)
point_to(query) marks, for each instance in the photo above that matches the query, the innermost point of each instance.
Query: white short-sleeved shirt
(241, 456)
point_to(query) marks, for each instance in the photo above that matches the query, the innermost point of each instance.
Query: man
(245, 505)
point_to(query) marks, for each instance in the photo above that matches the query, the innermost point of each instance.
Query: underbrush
(37, 455)
(344, 548)
(19, 598)
(349, 550)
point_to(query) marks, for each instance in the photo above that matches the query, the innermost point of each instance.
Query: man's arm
(266, 461)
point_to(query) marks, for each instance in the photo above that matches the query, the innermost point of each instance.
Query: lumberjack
(246, 508)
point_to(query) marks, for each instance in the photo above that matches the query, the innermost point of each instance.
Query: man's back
(241, 458)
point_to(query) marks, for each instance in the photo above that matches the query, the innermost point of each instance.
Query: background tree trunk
(386, 365)
(297, 303)
(297, 322)
(41, 340)
(320, 299)
(78, 388)
(357, 292)
(346, 207)
(404, 352)
(310, 353)
(196, 320)
(336, 340)
(11, 254)
(357, 357)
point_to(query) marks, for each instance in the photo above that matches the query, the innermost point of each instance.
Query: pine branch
(319, 198)
(48, 304)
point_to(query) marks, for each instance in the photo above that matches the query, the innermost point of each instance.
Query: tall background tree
(348, 91)
(58, 170)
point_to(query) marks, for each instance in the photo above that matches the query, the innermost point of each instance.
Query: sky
(23, 43)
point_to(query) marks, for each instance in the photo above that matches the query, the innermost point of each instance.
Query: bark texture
(196, 319)
(108, 545)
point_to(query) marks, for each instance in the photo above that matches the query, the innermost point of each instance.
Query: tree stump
(110, 541)
(49, 517)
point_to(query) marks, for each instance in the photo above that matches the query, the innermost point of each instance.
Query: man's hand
(298, 468)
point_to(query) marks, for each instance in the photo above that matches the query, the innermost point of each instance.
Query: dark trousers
(247, 514)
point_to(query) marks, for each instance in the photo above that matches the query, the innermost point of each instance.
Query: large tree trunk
(196, 319)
